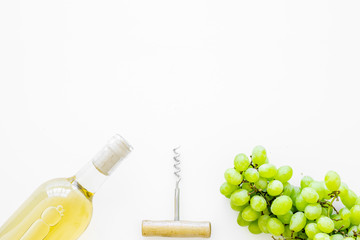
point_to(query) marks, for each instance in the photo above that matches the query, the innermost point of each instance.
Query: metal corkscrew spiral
(177, 165)
(178, 179)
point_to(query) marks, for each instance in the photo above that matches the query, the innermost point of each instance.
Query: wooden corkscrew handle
(176, 229)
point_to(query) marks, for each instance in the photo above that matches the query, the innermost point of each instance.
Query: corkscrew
(177, 165)
(176, 228)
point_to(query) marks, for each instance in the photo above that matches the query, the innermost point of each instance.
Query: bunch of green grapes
(268, 203)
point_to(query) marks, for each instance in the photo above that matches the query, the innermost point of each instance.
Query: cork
(112, 154)
(182, 229)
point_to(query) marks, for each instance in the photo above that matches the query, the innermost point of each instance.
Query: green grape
(353, 230)
(343, 189)
(259, 155)
(336, 237)
(262, 222)
(241, 162)
(319, 188)
(284, 174)
(249, 214)
(355, 215)
(274, 188)
(275, 226)
(233, 177)
(252, 175)
(332, 181)
(328, 193)
(350, 238)
(266, 211)
(300, 203)
(325, 211)
(310, 195)
(321, 236)
(240, 197)
(288, 189)
(313, 211)
(302, 235)
(261, 184)
(241, 221)
(297, 222)
(254, 228)
(345, 213)
(246, 186)
(258, 203)
(311, 230)
(285, 219)
(267, 170)
(357, 202)
(295, 193)
(281, 205)
(237, 208)
(339, 222)
(325, 224)
(288, 234)
(349, 199)
(305, 181)
(227, 189)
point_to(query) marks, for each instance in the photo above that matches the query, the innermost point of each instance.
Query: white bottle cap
(112, 154)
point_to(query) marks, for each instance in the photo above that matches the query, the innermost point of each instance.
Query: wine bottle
(61, 209)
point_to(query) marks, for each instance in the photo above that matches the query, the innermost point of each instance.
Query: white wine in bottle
(61, 209)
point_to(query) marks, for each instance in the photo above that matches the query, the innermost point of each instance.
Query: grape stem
(251, 192)
(336, 220)
(253, 165)
(252, 185)
(329, 205)
(335, 196)
(338, 230)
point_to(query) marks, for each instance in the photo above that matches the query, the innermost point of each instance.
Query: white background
(216, 77)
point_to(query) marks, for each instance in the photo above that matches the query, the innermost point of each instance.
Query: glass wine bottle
(61, 209)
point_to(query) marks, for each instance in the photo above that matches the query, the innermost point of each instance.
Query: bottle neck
(93, 175)
(90, 178)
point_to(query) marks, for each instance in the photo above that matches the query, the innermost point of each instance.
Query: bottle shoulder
(63, 188)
